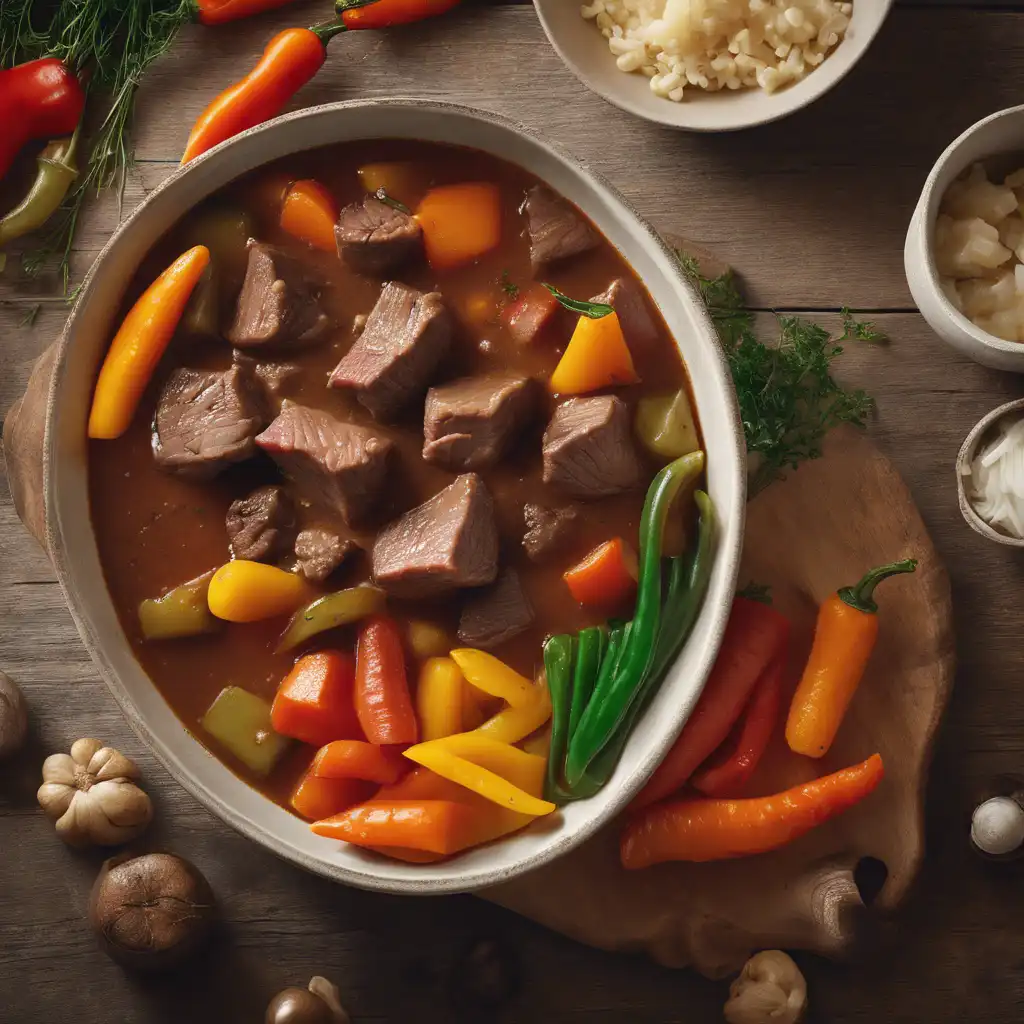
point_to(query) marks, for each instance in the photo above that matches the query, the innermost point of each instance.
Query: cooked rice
(719, 44)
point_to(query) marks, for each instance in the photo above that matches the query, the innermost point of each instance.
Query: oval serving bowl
(85, 339)
(584, 51)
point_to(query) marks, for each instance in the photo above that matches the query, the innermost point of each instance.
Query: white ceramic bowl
(85, 339)
(585, 52)
(999, 134)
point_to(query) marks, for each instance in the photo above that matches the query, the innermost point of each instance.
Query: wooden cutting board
(820, 528)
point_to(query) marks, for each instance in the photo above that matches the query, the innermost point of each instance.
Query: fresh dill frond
(23, 36)
(508, 286)
(787, 396)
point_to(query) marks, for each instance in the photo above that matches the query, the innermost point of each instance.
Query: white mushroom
(769, 990)
(997, 826)
(91, 795)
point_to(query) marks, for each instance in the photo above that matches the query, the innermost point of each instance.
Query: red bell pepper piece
(729, 767)
(383, 703)
(756, 633)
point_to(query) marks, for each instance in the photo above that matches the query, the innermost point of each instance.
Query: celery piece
(665, 424)
(240, 721)
(337, 609)
(182, 611)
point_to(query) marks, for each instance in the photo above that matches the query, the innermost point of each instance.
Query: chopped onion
(996, 475)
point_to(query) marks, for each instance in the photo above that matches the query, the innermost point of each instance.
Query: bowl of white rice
(711, 65)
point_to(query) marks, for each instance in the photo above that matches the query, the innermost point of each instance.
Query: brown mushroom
(13, 717)
(320, 1003)
(151, 912)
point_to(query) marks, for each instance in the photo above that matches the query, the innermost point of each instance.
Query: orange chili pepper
(703, 830)
(289, 61)
(218, 12)
(140, 341)
(385, 13)
(844, 638)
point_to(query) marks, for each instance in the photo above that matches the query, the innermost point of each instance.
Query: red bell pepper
(383, 703)
(756, 633)
(38, 100)
(729, 767)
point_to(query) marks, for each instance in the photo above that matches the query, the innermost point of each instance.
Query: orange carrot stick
(139, 343)
(383, 703)
(606, 576)
(315, 798)
(315, 702)
(309, 213)
(703, 830)
(436, 826)
(356, 759)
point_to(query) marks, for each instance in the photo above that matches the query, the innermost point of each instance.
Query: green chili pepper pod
(614, 693)
(558, 658)
(56, 172)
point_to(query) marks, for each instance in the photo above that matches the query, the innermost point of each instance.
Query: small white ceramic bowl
(997, 135)
(585, 52)
(73, 544)
(964, 458)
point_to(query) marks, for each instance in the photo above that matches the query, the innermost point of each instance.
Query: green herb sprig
(593, 310)
(787, 396)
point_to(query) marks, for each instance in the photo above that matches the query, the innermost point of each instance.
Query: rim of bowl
(364, 876)
(964, 456)
(928, 210)
(813, 87)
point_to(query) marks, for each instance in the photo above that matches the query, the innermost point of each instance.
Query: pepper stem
(861, 596)
(327, 30)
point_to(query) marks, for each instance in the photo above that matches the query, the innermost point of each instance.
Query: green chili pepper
(56, 172)
(591, 649)
(558, 658)
(337, 609)
(615, 692)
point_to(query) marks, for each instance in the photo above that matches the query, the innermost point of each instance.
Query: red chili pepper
(218, 12)
(357, 14)
(702, 830)
(734, 762)
(754, 636)
(38, 100)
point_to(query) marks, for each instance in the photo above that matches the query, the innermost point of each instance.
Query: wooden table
(812, 211)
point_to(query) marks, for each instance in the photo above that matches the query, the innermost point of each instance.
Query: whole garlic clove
(769, 990)
(13, 717)
(91, 796)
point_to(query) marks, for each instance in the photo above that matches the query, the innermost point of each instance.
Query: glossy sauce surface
(156, 530)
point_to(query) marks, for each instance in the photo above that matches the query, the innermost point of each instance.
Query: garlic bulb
(91, 795)
(769, 990)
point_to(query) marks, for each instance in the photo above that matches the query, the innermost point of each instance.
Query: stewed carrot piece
(309, 212)
(315, 797)
(460, 223)
(357, 759)
(315, 702)
(596, 357)
(606, 576)
(436, 826)
(383, 703)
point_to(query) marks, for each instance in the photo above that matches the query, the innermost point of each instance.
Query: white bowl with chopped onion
(990, 475)
(711, 65)
(964, 252)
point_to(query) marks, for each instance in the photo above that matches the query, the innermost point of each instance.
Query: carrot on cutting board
(309, 213)
(383, 704)
(606, 576)
(140, 342)
(315, 798)
(357, 759)
(702, 830)
(460, 223)
(596, 357)
(756, 633)
(315, 702)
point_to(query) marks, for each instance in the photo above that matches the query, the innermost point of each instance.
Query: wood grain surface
(812, 212)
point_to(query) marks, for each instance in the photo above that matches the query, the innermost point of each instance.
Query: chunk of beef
(392, 362)
(273, 378)
(277, 304)
(494, 614)
(260, 526)
(470, 423)
(588, 451)
(557, 229)
(338, 466)
(375, 238)
(547, 529)
(625, 297)
(449, 541)
(320, 550)
(528, 314)
(205, 420)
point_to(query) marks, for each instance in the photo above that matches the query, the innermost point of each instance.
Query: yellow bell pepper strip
(514, 765)
(331, 611)
(487, 673)
(243, 591)
(140, 342)
(596, 357)
(439, 697)
(511, 725)
(539, 744)
(439, 757)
